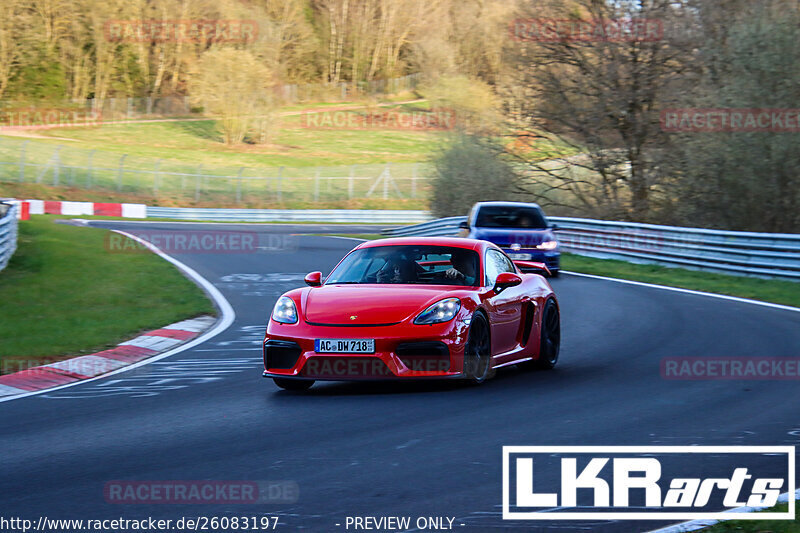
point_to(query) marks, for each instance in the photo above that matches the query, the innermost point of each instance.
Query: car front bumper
(551, 258)
(402, 351)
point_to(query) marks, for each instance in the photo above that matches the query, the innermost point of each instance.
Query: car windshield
(408, 264)
(509, 216)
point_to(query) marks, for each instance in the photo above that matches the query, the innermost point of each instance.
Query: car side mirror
(314, 279)
(554, 227)
(464, 225)
(505, 280)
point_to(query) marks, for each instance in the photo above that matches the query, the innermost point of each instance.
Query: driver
(398, 269)
(463, 269)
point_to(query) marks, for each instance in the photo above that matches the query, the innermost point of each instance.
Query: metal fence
(8, 233)
(25, 161)
(732, 252)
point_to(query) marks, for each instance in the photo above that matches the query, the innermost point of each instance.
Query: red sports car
(411, 308)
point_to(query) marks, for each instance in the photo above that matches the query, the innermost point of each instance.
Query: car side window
(509, 264)
(496, 263)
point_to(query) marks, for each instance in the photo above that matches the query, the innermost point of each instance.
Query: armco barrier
(8, 233)
(359, 216)
(441, 227)
(733, 252)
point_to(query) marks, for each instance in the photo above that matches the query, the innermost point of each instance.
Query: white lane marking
(687, 291)
(163, 376)
(412, 442)
(227, 312)
(694, 525)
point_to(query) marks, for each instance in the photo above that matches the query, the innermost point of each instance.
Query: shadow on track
(511, 376)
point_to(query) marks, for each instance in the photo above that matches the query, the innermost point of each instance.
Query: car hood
(504, 237)
(369, 304)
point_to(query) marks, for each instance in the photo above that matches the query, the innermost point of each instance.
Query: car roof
(509, 204)
(455, 242)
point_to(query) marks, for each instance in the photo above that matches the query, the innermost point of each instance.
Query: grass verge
(759, 526)
(200, 142)
(768, 290)
(64, 295)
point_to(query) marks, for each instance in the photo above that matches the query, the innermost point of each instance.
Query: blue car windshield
(408, 264)
(500, 216)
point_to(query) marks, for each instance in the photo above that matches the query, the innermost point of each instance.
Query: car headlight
(285, 311)
(441, 311)
(548, 245)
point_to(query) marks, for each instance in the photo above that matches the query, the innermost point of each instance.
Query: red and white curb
(88, 366)
(46, 207)
(226, 317)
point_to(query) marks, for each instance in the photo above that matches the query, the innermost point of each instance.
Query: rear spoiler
(532, 267)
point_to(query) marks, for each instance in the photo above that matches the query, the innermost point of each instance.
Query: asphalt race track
(384, 449)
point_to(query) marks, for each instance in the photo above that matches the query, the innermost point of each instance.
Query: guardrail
(441, 227)
(8, 233)
(732, 252)
(359, 216)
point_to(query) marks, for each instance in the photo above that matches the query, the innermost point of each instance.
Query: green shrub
(469, 170)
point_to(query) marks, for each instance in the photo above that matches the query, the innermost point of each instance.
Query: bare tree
(10, 36)
(598, 97)
(233, 85)
(743, 180)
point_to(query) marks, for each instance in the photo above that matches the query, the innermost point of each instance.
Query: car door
(505, 308)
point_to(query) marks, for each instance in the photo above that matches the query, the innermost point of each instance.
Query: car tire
(478, 351)
(553, 273)
(293, 384)
(550, 337)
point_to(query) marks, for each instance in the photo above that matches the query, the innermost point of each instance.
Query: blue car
(520, 229)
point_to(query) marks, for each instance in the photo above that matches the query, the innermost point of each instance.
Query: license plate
(344, 345)
(520, 257)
